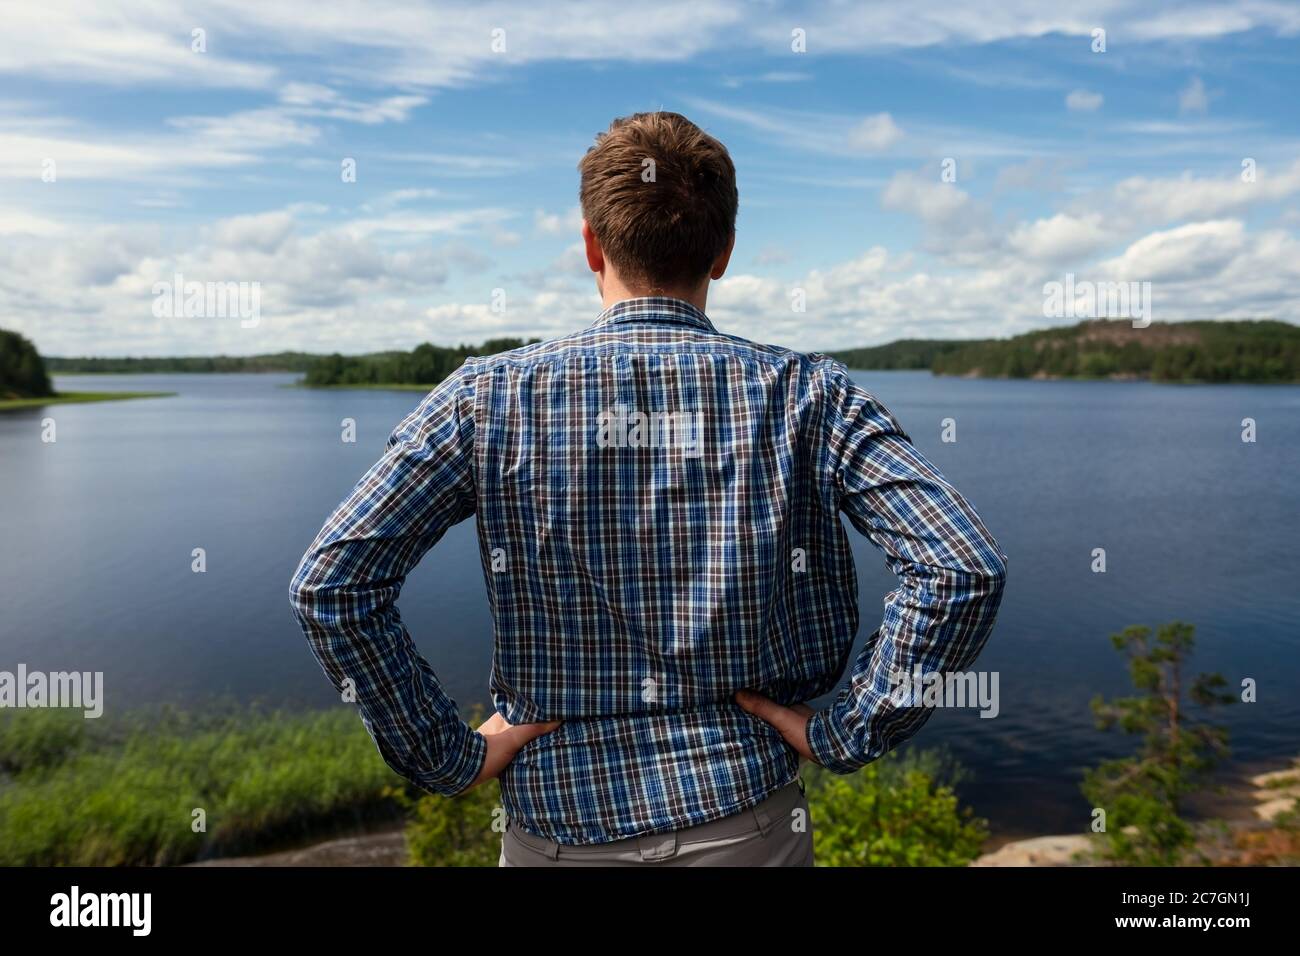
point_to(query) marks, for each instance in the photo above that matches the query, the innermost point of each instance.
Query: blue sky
(224, 165)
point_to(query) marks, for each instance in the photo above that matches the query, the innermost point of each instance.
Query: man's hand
(504, 740)
(791, 722)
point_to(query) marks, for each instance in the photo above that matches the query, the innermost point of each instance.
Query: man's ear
(595, 255)
(720, 266)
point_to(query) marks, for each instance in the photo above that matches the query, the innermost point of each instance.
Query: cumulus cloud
(958, 228)
(314, 286)
(875, 134)
(1061, 237)
(1158, 200)
(1196, 250)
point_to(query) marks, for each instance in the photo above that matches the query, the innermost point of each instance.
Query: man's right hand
(504, 740)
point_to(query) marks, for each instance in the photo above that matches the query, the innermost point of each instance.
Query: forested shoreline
(1261, 351)
(1205, 351)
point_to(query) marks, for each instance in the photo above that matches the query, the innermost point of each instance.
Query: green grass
(124, 791)
(63, 398)
(75, 792)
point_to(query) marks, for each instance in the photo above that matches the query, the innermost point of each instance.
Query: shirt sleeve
(345, 590)
(950, 574)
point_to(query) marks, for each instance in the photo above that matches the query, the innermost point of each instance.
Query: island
(25, 381)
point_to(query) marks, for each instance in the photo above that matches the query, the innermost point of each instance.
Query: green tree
(22, 371)
(901, 810)
(1143, 794)
(464, 830)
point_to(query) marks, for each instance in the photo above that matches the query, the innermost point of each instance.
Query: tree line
(1200, 351)
(425, 365)
(278, 362)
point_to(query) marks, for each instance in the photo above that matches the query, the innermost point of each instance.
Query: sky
(905, 170)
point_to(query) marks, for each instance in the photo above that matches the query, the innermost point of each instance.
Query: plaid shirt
(658, 509)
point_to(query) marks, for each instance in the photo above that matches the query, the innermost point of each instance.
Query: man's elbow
(996, 573)
(988, 578)
(303, 596)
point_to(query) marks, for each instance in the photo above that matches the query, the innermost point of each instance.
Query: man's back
(658, 511)
(655, 537)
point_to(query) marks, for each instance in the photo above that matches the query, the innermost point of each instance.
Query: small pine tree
(1142, 794)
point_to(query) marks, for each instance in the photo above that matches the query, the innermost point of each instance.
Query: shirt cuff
(467, 751)
(828, 746)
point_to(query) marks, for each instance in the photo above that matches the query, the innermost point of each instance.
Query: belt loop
(763, 817)
(657, 846)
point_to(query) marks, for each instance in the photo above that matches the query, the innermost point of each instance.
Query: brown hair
(660, 195)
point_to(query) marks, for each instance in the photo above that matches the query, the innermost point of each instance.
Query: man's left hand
(791, 722)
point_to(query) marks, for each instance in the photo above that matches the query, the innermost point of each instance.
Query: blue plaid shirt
(658, 508)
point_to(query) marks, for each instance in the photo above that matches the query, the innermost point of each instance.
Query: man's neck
(614, 292)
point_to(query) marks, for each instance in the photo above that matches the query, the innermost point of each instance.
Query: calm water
(97, 529)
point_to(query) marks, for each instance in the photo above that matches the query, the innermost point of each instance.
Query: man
(658, 508)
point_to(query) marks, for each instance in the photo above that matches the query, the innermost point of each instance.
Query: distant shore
(68, 398)
(367, 386)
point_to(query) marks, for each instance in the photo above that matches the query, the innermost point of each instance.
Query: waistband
(769, 812)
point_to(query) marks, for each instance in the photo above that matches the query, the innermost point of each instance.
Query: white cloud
(421, 225)
(1196, 250)
(875, 134)
(399, 43)
(1083, 101)
(89, 290)
(1193, 98)
(566, 224)
(1155, 201)
(342, 289)
(847, 136)
(457, 164)
(1060, 238)
(264, 232)
(926, 196)
(121, 44)
(18, 222)
(958, 229)
(313, 99)
(883, 24)
(82, 151)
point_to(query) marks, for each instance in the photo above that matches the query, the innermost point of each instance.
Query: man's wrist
(828, 746)
(466, 754)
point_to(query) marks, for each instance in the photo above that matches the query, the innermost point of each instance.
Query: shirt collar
(654, 308)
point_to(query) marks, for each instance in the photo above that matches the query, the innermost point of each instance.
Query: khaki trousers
(775, 832)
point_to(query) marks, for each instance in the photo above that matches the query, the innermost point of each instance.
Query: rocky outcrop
(1068, 850)
(1277, 792)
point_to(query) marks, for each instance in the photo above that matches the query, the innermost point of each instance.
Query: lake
(97, 531)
